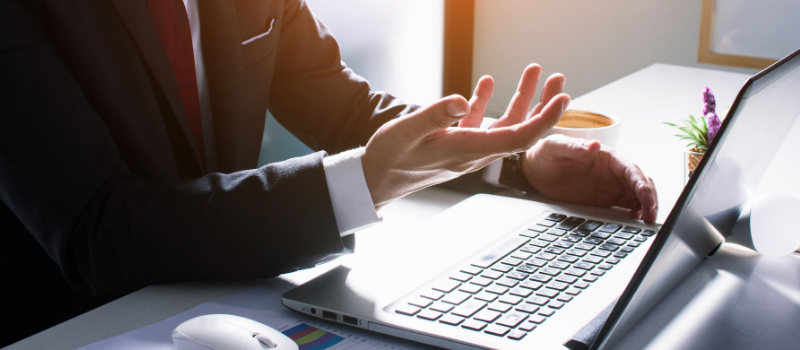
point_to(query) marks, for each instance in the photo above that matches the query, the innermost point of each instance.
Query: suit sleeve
(113, 232)
(315, 96)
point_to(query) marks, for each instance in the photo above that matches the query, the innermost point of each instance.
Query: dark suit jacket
(101, 185)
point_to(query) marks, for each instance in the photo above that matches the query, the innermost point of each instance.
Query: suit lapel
(222, 54)
(140, 24)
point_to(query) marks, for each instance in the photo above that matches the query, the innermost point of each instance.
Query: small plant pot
(691, 159)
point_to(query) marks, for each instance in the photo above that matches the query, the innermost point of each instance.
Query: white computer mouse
(228, 332)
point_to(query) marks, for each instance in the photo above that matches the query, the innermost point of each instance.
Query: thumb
(441, 114)
(560, 146)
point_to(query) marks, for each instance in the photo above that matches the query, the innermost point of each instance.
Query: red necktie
(172, 24)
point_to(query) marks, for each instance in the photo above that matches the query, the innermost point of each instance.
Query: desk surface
(734, 300)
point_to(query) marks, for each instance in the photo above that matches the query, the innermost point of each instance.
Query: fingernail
(566, 104)
(455, 110)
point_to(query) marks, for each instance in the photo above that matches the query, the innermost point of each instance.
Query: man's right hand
(422, 149)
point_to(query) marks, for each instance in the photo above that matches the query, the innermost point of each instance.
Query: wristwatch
(511, 174)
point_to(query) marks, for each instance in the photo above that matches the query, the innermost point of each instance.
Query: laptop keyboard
(519, 284)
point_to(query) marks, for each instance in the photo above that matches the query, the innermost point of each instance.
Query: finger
(651, 214)
(520, 137)
(636, 182)
(552, 87)
(521, 102)
(480, 98)
(441, 114)
(564, 147)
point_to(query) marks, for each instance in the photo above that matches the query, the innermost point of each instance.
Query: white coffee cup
(588, 125)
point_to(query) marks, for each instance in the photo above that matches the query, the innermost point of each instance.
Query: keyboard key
(554, 250)
(497, 253)
(541, 278)
(581, 233)
(590, 225)
(456, 298)
(634, 244)
(484, 296)
(529, 308)
(568, 258)
(521, 292)
(502, 268)
(442, 307)
(481, 281)
(582, 285)
(546, 312)
(470, 288)
(497, 289)
(612, 260)
(570, 223)
(620, 255)
(513, 319)
(575, 272)
(550, 271)
(536, 319)
(507, 282)
(512, 261)
(564, 298)
(461, 277)
(472, 270)
(432, 294)
(598, 272)
(492, 274)
(617, 241)
(590, 278)
(421, 302)
(593, 259)
(631, 229)
(648, 233)
(571, 239)
(521, 276)
(469, 308)
(473, 325)
(555, 305)
(626, 249)
(538, 228)
(611, 247)
(548, 237)
(559, 265)
(556, 217)
(601, 253)
(531, 249)
(487, 316)
(593, 240)
(640, 239)
(563, 244)
(527, 326)
(408, 310)
(547, 223)
(566, 279)
(537, 262)
(556, 232)
(625, 236)
(600, 235)
(584, 265)
(530, 234)
(517, 335)
(527, 269)
(447, 286)
(539, 243)
(499, 307)
(496, 330)
(510, 299)
(550, 293)
(521, 255)
(573, 291)
(452, 320)
(584, 246)
(610, 228)
(560, 286)
(576, 252)
(531, 285)
(429, 315)
(538, 300)
(546, 256)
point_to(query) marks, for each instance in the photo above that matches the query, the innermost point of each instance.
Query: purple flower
(713, 126)
(710, 101)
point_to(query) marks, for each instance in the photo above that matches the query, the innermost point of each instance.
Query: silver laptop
(502, 273)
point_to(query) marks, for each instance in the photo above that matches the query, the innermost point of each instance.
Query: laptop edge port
(350, 320)
(329, 315)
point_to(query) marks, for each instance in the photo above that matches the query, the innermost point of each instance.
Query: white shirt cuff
(352, 202)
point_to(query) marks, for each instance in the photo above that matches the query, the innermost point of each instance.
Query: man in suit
(130, 131)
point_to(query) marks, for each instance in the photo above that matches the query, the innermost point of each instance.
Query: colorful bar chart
(312, 338)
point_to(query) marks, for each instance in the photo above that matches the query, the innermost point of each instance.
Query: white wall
(591, 42)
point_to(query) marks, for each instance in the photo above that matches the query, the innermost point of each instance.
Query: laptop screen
(759, 120)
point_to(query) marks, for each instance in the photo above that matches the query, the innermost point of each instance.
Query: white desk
(735, 300)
